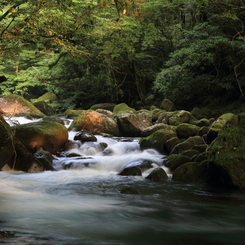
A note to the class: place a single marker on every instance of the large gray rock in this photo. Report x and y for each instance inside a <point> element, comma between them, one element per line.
<point>132,124</point>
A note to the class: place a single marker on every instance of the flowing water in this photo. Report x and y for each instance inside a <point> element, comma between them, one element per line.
<point>83,204</point>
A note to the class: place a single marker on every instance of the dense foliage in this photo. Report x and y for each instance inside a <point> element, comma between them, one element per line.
<point>137,52</point>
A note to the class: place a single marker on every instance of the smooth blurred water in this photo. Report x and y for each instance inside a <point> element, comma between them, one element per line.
<point>83,205</point>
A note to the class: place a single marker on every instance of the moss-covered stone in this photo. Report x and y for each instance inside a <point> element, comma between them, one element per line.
<point>167,105</point>
<point>48,97</point>
<point>95,123</point>
<point>186,130</point>
<point>15,105</point>
<point>188,144</point>
<point>156,140</point>
<point>155,114</point>
<point>122,108</point>
<point>190,172</point>
<point>153,128</point>
<point>71,114</point>
<point>171,143</point>
<point>104,106</point>
<point>227,152</point>
<point>217,125</point>
<point>175,160</point>
<point>158,174</point>
<point>44,107</point>
<point>50,136</point>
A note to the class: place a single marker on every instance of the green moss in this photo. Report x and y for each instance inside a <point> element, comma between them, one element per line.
<point>122,108</point>
<point>47,97</point>
<point>69,113</point>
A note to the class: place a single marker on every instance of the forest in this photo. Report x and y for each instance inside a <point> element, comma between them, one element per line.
<point>133,51</point>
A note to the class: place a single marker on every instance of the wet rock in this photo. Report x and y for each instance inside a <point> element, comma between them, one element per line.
<point>140,163</point>
<point>85,136</point>
<point>171,143</point>
<point>4,233</point>
<point>158,174</point>
<point>45,158</point>
<point>131,171</point>
<point>128,190</point>
<point>54,119</point>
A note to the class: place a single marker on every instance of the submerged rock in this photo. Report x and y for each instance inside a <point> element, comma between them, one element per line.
<point>128,190</point>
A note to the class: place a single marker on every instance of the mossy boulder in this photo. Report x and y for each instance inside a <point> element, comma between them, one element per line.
<point>15,105</point>
<point>158,174</point>
<point>186,130</point>
<point>122,108</point>
<point>227,152</point>
<point>167,105</point>
<point>217,125</point>
<point>48,97</point>
<point>132,124</point>
<point>171,143</point>
<point>156,140</point>
<point>104,106</point>
<point>189,144</point>
<point>155,113</point>
<point>95,123</point>
<point>44,107</point>
<point>71,114</point>
<point>50,136</point>
<point>174,117</point>
<point>153,128</point>
<point>190,172</point>
<point>175,160</point>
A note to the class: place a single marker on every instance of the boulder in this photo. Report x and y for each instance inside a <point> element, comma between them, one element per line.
<point>44,107</point>
<point>105,112</point>
<point>48,97</point>
<point>186,130</point>
<point>122,108</point>
<point>103,106</point>
<point>153,128</point>
<point>95,123</point>
<point>54,119</point>
<point>216,126</point>
<point>132,124</point>
<point>171,143</point>
<point>50,136</point>
<point>71,114</point>
<point>190,172</point>
<point>175,160</point>
<point>227,152</point>
<point>167,105</point>
<point>131,171</point>
<point>189,144</point>
<point>156,140</point>
<point>174,117</point>
<point>17,106</point>
<point>158,174</point>
<point>45,158</point>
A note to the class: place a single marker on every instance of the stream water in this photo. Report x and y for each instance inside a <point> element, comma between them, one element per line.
<point>83,205</point>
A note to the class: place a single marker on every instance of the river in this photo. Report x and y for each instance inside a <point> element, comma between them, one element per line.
<point>84,206</point>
